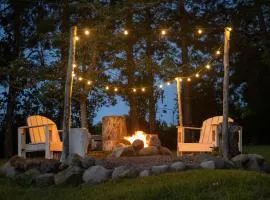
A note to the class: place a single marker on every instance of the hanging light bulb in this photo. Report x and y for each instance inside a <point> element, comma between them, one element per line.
<point>200,31</point>
<point>125,32</point>
<point>180,79</point>
<point>208,66</point>
<point>73,75</point>
<point>134,90</point>
<point>160,86</point>
<point>188,79</point>
<point>197,75</point>
<point>115,89</point>
<point>89,82</point>
<point>229,28</point>
<point>218,52</point>
<point>77,38</point>
<point>74,65</point>
<point>143,89</point>
<point>80,79</point>
<point>107,88</point>
<point>86,32</point>
<point>168,83</point>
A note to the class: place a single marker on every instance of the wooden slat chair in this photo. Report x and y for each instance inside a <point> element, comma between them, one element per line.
<point>208,137</point>
<point>44,136</point>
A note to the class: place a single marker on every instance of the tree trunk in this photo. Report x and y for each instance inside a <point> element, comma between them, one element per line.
<point>83,110</point>
<point>114,129</point>
<point>187,117</point>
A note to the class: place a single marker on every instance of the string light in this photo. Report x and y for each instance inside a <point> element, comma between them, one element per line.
<point>180,79</point>
<point>125,32</point>
<point>197,75</point>
<point>160,86</point>
<point>74,65</point>
<point>200,31</point>
<point>229,28</point>
<point>168,83</point>
<point>73,75</point>
<point>208,66</point>
<point>143,89</point>
<point>86,32</point>
<point>77,38</point>
<point>80,78</point>
<point>89,82</point>
<point>115,89</point>
<point>107,88</point>
<point>218,52</point>
<point>134,90</point>
<point>163,32</point>
<point>188,79</point>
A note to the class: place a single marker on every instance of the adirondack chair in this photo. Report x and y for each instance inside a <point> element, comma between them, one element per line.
<point>44,136</point>
<point>208,137</point>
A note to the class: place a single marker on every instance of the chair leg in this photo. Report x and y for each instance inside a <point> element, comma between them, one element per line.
<point>21,143</point>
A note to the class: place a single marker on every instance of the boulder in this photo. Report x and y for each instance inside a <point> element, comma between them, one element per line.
<point>96,174</point>
<point>253,162</point>
<point>49,166</point>
<point>154,141</point>
<point>148,151</point>
<point>224,164</point>
<point>206,157</point>
<point>137,145</point>
<point>129,151</point>
<point>70,176</point>
<point>117,152</point>
<point>145,173</point>
<point>45,180</point>
<point>8,170</point>
<point>159,169</point>
<point>164,151</point>
<point>208,164</point>
<point>192,166</point>
<point>28,177</point>
<point>87,162</point>
<point>124,172</point>
<point>24,164</point>
<point>240,160</point>
<point>74,160</point>
<point>178,166</point>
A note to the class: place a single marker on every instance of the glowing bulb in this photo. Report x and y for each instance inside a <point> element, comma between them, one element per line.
<point>163,32</point>
<point>73,75</point>
<point>197,75</point>
<point>160,86</point>
<point>134,90</point>
<point>80,78</point>
<point>107,87</point>
<point>89,82</point>
<point>168,83</point>
<point>207,66</point>
<point>218,52</point>
<point>143,89</point>
<point>229,28</point>
<point>125,32</point>
<point>115,89</point>
<point>86,32</point>
<point>180,79</point>
<point>189,79</point>
<point>74,65</point>
<point>77,38</point>
<point>200,31</point>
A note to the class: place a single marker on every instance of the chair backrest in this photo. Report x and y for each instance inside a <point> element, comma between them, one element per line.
<point>208,127</point>
<point>37,135</point>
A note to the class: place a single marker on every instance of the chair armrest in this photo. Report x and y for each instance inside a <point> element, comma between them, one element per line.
<point>25,127</point>
<point>61,131</point>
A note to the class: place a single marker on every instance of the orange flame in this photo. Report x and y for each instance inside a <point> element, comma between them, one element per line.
<point>139,135</point>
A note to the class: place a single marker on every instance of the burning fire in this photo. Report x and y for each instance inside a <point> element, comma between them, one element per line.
<point>139,135</point>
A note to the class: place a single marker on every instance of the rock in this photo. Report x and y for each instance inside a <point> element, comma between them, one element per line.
<point>253,162</point>
<point>178,166</point>
<point>154,141</point>
<point>28,177</point>
<point>74,160</point>
<point>208,164</point>
<point>45,180</point>
<point>192,166</point>
<point>87,162</point>
<point>145,173</point>
<point>24,164</point>
<point>48,166</point>
<point>240,159</point>
<point>159,169</point>
<point>148,151</point>
<point>8,170</point>
<point>164,151</point>
<point>206,157</point>
<point>137,145</point>
<point>124,142</point>
<point>257,157</point>
<point>224,164</point>
<point>70,176</point>
<point>96,174</point>
<point>116,153</point>
<point>253,165</point>
<point>129,151</point>
<point>124,172</point>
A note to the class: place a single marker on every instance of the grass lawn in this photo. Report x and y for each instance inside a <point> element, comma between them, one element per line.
<point>193,184</point>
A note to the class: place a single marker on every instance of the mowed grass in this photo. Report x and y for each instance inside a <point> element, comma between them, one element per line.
<point>193,184</point>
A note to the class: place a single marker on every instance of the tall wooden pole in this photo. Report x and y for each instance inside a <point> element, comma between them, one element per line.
<point>68,93</point>
<point>225,137</point>
<point>180,113</point>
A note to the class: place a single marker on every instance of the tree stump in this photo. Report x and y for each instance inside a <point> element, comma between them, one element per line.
<point>114,129</point>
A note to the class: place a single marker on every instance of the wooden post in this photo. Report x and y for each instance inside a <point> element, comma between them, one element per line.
<point>180,113</point>
<point>225,137</point>
<point>68,93</point>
